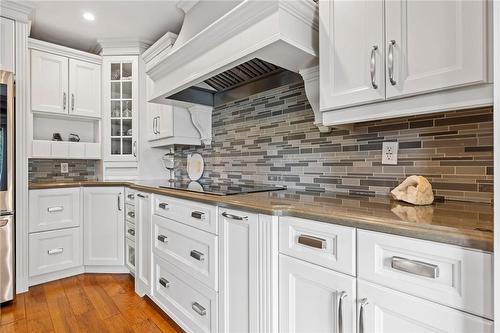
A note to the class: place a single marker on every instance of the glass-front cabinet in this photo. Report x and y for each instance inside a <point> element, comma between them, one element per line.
<point>120,108</point>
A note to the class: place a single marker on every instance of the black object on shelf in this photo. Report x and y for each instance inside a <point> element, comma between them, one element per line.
<point>74,137</point>
<point>56,137</point>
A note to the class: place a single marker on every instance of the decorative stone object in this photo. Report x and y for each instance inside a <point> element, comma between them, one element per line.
<point>421,214</point>
<point>415,189</point>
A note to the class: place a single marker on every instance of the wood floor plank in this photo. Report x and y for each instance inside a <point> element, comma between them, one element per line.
<point>101,301</point>
<point>13,311</point>
<point>77,298</point>
<point>88,303</point>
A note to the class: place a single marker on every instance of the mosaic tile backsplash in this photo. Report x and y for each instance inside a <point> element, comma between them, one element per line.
<point>41,170</point>
<point>270,138</point>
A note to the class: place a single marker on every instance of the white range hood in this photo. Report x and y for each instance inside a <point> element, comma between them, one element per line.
<point>219,35</point>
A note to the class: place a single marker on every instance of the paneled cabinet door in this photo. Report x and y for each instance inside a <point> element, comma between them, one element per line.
<point>7,50</point>
<point>103,226</point>
<point>143,244</point>
<point>352,49</point>
<point>385,310</point>
<point>153,114</point>
<point>49,82</point>
<point>315,299</point>
<point>239,271</point>
<point>84,88</point>
<point>433,45</point>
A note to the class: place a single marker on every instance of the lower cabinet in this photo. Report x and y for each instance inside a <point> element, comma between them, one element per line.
<point>143,243</point>
<point>385,310</point>
<point>104,226</point>
<point>238,277</point>
<point>315,299</point>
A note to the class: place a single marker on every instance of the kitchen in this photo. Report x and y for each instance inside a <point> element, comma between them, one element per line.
<point>248,166</point>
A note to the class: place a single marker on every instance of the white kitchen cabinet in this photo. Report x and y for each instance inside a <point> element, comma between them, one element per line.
<point>143,250</point>
<point>104,226</point>
<point>54,209</point>
<point>435,45</point>
<point>49,82</point>
<point>120,113</point>
<point>385,310</point>
<point>382,51</point>
<point>239,271</point>
<point>7,50</point>
<point>352,49</point>
<point>84,88</point>
<point>64,85</point>
<point>315,299</point>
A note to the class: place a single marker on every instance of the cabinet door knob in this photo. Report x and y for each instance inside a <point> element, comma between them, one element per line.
<point>162,238</point>
<point>197,255</point>
<point>164,282</point>
<point>55,251</point>
<point>163,205</point>
<point>198,215</point>
<point>198,308</point>
<point>55,209</point>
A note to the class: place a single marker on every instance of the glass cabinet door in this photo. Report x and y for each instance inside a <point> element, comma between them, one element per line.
<point>121,108</point>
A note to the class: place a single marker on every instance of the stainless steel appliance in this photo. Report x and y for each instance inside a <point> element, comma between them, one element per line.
<point>7,263</point>
<point>220,188</point>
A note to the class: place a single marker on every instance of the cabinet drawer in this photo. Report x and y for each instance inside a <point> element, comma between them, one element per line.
<point>52,251</point>
<point>188,302</point>
<point>54,209</point>
<point>129,196</point>
<point>192,250</point>
<point>195,214</point>
<point>446,274</point>
<point>325,244</point>
<point>130,213</point>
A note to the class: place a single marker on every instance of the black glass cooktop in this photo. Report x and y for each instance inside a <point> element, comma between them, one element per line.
<point>220,188</point>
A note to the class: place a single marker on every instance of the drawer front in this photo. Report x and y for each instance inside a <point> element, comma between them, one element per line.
<point>52,251</point>
<point>129,196</point>
<point>187,301</point>
<point>192,250</point>
<point>130,254</point>
<point>54,209</point>
<point>324,244</point>
<point>446,274</point>
<point>130,213</point>
<point>130,231</point>
<point>195,214</point>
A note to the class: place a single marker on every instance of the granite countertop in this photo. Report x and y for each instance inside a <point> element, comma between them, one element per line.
<point>453,222</point>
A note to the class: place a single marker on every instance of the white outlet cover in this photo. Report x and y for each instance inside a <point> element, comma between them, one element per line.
<point>390,153</point>
<point>64,168</point>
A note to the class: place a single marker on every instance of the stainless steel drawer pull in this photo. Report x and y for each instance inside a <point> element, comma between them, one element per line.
<point>130,196</point>
<point>198,309</point>
<point>163,205</point>
<point>55,251</point>
<point>131,232</point>
<point>197,255</point>
<point>373,66</point>
<point>390,61</point>
<point>131,214</point>
<point>141,195</point>
<point>312,241</point>
<point>164,282</point>
<point>363,303</point>
<point>162,238</point>
<point>234,217</point>
<point>342,295</point>
<point>415,267</point>
<point>55,209</point>
<point>198,215</point>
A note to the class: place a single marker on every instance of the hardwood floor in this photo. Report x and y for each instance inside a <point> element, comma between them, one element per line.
<point>84,303</point>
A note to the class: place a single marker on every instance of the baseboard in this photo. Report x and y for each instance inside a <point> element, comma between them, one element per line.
<point>33,281</point>
<point>107,269</point>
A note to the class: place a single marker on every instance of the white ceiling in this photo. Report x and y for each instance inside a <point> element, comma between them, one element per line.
<point>61,22</point>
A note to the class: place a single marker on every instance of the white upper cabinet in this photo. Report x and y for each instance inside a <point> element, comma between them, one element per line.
<point>64,85</point>
<point>49,82</point>
<point>352,53</point>
<point>434,45</point>
<point>7,52</point>
<point>84,88</point>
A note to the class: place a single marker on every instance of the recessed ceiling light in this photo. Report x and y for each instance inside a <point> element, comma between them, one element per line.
<point>88,16</point>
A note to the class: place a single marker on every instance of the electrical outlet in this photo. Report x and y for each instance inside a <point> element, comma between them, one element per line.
<point>390,153</point>
<point>64,168</point>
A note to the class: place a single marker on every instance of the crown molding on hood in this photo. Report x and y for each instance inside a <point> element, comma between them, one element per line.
<point>121,46</point>
<point>18,11</point>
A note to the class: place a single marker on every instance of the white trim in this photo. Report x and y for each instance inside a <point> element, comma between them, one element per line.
<point>64,51</point>
<point>496,149</point>
<point>107,269</point>
<point>447,100</point>
<point>201,117</point>
<point>121,46</point>
<point>162,44</point>
<point>23,115</point>
<point>18,11</point>
<point>33,281</point>
<point>186,5</point>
